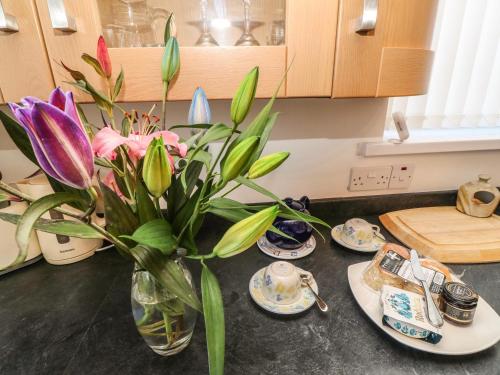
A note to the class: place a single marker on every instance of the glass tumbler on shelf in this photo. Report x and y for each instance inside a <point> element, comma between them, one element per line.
<point>114,35</point>
<point>160,17</point>
<point>206,39</point>
<point>247,38</point>
<point>135,18</point>
<point>277,29</point>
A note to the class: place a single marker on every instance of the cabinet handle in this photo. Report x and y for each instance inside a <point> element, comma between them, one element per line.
<point>368,20</point>
<point>8,23</point>
<point>59,17</point>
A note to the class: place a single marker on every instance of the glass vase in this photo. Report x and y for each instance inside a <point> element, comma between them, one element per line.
<point>164,321</point>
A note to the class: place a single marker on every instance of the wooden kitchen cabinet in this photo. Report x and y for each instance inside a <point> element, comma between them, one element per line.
<point>309,41</point>
<point>391,59</point>
<point>24,65</point>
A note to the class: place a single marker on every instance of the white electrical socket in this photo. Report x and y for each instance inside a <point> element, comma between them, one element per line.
<point>370,178</point>
<point>401,176</point>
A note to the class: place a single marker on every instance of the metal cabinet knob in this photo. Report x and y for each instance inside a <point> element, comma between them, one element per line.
<point>59,17</point>
<point>8,22</point>
<point>368,20</point>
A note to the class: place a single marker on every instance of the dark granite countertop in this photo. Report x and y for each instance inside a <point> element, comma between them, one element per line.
<point>76,319</point>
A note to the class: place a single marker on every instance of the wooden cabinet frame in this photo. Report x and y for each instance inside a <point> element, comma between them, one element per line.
<point>24,65</point>
<point>310,44</point>
<point>392,60</point>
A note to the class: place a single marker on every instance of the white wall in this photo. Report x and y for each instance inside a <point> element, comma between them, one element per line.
<point>322,136</point>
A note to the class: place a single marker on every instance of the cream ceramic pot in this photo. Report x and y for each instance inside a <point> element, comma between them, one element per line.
<point>478,198</point>
<point>57,249</point>
<point>8,234</point>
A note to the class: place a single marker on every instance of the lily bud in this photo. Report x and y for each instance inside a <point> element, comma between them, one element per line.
<point>199,112</point>
<point>103,57</point>
<point>171,60</point>
<point>238,158</point>
<point>242,101</point>
<point>58,138</point>
<point>267,164</point>
<point>245,233</point>
<point>156,170</point>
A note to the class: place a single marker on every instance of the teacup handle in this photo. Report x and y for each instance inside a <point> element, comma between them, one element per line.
<point>376,230</point>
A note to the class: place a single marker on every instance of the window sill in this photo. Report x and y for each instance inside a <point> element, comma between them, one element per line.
<point>430,141</point>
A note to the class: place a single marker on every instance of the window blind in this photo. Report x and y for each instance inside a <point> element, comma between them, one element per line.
<point>464,90</point>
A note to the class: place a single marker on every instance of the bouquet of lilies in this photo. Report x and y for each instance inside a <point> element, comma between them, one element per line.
<point>155,198</point>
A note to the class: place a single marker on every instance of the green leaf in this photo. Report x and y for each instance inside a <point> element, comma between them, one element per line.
<point>204,157</point>
<point>31,216</point>
<point>226,203</point>
<point>237,214</point>
<point>264,137</point>
<point>214,133</point>
<point>118,85</point>
<point>167,272</point>
<point>145,206</point>
<point>100,99</point>
<point>63,227</point>
<point>213,311</point>
<point>156,234</point>
<point>195,126</point>
<point>177,196</point>
<point>119,218</point>
<point>94,64</point>
<point>75,74</point>
<point>18,136</point>
<point>168,28</point>
<point>233,215</point>
<point>293,213</point>
<point>185,213</point>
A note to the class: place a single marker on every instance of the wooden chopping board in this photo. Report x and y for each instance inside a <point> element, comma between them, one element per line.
<point>446,234</point>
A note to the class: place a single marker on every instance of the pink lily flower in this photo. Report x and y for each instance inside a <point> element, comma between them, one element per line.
<point>110,181</point>
<point>107,140</point>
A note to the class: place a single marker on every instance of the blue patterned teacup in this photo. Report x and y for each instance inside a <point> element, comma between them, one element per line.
<point>282,284</point>
<point>359,233</point>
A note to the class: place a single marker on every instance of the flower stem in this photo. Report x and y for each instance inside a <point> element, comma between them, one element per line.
<point>164,106</point>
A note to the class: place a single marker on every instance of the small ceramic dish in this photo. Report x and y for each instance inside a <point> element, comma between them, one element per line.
<point>276,252</point>
<point>376,244</point>
<point>303,303</point>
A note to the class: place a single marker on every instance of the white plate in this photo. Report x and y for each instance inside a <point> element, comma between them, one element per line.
<point>480,335</point>
<point>302,304</point>
<point>277,252</point>
<point>371,248</point>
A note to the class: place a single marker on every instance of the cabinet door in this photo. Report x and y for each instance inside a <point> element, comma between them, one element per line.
<point>301,31</point>
<point>24,66</point>
<point>393,58</point>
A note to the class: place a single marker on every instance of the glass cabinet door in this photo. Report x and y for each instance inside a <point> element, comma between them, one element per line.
<point>202,23</point>
<point>220,40</point>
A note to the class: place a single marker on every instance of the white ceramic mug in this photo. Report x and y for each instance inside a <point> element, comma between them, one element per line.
<point>57,249</point>
<point>282,283</point>
<point>359,232</point>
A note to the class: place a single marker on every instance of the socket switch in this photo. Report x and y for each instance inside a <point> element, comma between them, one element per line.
<point>370,178</point>
<point>401,176</point>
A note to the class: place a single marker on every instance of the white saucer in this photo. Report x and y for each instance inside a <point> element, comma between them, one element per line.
<point>375,246</point>
<point>302,304</point>
<point>277,252</point>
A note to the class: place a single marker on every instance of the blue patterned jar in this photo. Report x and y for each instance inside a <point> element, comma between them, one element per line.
<point>296,229</point>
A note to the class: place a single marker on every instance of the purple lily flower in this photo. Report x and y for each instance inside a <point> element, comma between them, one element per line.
<point>58,137</point>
